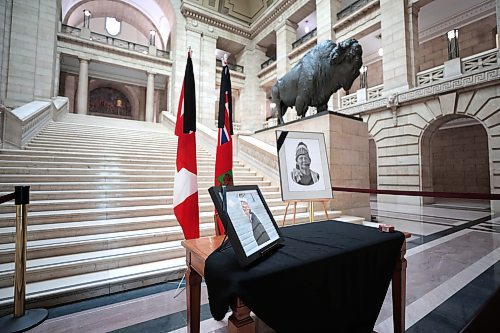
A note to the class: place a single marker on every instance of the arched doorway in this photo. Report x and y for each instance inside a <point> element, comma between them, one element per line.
<point>109,102</point>
<point>455,158</point>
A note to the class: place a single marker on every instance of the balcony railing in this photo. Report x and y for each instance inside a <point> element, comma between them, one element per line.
<point>304,38</point>
<point>375,92</point>
<point>479,61</point>
<point>352,8</point>
<point>67,29</point>
<point>267,63</point>
<point>113,41</point>
<point>431,75</point>
<point>352,99</point>
<point>470,64</point>
<point>233,67</point>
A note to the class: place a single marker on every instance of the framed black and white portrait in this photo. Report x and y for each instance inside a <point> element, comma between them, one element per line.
<point>249,224</point>
<point>303,165</point>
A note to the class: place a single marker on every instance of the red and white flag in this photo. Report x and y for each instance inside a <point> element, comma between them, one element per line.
<point>186,207</point>
<point>224,153</point>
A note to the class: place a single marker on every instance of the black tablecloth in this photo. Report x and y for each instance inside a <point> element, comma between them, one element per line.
<point>328,277</point>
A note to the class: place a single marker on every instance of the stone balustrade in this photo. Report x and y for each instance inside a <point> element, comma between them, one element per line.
<point>23,123</point>
<point>113,41</point>
<point>469,64</point>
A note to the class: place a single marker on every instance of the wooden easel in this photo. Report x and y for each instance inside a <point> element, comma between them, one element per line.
<point>311,208</point>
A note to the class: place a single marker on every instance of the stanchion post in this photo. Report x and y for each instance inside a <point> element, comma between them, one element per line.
<point>22,319</point>
<point>22,199</point>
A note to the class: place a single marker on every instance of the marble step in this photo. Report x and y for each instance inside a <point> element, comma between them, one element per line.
<point>104,150</point>
<point>268,192</point>
<point>117,136</point>
<point>119,146</point>
<point>103,157</point>
<point>75,215</point>
<point>160,167</point>
<point>26,156</point>
<point>69,289</point>
<point>88,262</point>
<point>108,185</point>
<point>95,139</point>
<point>61,126</point>
<point>62,171</point>
<point>70,128</point>
<point>96,203</point>
<point>45,248</point>
<point>105,176</point>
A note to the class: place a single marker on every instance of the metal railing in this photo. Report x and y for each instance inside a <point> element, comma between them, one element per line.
<point>352,8</point>
<point>304,38</point>
<point>113,41</point>
<point>267,63</point>
<point>233,67</point>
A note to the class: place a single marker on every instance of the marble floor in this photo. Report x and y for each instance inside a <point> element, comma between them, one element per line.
<point>453,267</point>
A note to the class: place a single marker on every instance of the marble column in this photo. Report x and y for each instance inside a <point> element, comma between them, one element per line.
<point>399,28</point>
<point>57,74</point>
<point>286,34</point>
<point>150,91</point>
<point>498,22</point>
<point>207,82</point>
<point>326,17</point>
<point>251,108</point>
<point>30,47</point>
<point>69,91</point>
<point>83,87</point>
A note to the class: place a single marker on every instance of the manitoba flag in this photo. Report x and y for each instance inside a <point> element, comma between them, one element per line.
<point>186,208</point>
<point>224,155</point>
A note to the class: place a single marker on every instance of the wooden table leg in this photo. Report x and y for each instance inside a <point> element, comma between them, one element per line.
<point>193,289</point>
<point>240,321</point>
<point>399,292</point>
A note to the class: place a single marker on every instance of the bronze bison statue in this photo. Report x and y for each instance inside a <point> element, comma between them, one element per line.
<point>323,70</point>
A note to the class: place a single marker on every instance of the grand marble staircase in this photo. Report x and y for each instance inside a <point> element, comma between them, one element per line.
<point>100,217</point>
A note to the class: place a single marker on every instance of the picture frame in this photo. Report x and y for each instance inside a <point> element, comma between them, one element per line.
<point>303,166</point>
<point>248,221</point>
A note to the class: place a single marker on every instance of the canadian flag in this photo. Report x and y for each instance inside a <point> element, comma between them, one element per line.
<point>186,207</point>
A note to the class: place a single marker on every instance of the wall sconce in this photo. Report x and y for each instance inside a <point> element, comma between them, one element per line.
<point>453,51</point>
<point>152,35</point>
<point>363,74</point>
<point>381,52</point>
<point>86,18</point>
<point>306,28</point>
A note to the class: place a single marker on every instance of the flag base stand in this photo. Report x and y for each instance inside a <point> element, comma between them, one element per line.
<point>30,319</point>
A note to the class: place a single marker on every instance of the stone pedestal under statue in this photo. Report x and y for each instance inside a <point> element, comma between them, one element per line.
<point>347,147</point>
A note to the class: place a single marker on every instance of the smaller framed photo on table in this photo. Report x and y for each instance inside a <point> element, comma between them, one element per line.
<point>249,224</point>
<point>303,166</point>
